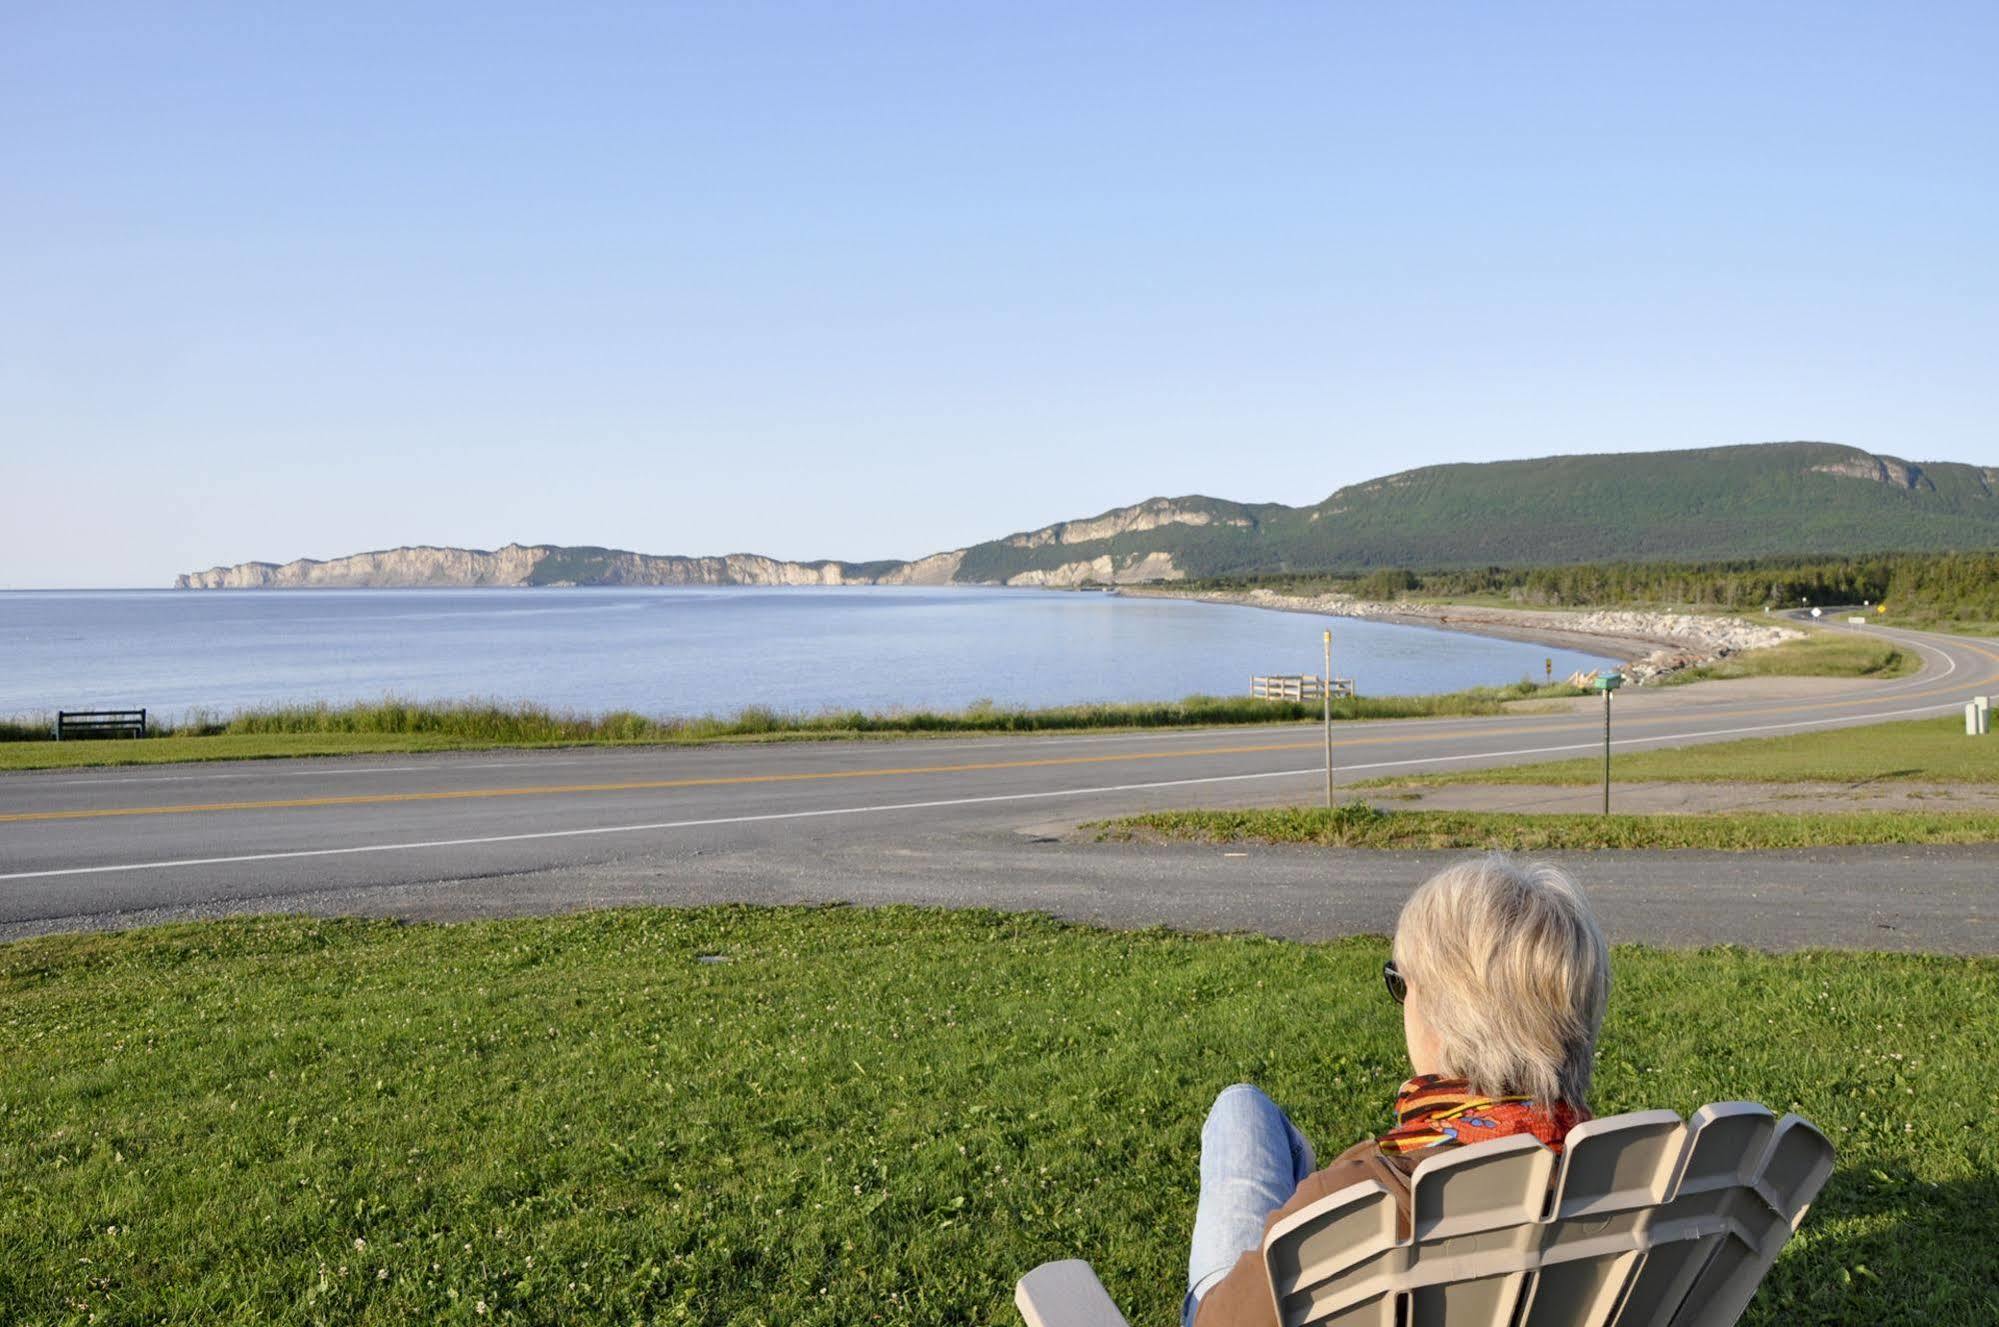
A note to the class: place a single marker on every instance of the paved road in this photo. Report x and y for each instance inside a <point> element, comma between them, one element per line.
<point>941,821</point>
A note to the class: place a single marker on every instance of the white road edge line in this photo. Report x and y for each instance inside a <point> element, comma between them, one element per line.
<point>659,825</point>
<point>904,806</point>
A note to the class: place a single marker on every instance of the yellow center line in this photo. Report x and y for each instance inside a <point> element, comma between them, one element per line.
<point>809,776</point>
<point>640,785</point>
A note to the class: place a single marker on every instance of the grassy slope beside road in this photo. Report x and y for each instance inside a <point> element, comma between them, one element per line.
<point>1819,654</point>
<point>1919,750</point>
<point>1358,825</point>
<point>393,726</point>
<point>859,1117</point>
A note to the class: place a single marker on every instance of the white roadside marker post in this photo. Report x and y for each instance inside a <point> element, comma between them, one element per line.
<point>1971,718</point>
<point>1984,704</point>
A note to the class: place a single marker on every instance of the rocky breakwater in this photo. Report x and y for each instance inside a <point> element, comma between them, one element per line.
<point>1692,639</point>
<point>1652,644</point>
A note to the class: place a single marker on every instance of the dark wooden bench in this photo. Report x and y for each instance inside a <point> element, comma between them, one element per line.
<point>99,723</point>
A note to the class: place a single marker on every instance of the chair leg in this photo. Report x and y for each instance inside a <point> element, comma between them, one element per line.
<point>1065,1294</point>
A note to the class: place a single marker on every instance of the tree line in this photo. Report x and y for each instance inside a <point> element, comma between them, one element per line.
<point>1924,586</point>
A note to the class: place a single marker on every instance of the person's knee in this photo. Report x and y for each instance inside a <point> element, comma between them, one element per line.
<point>1236,1104</point>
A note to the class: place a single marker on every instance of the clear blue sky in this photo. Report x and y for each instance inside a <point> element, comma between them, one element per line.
<point>873,280</point>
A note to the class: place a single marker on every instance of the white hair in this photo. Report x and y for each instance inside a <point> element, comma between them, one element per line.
<point>1507,966</point>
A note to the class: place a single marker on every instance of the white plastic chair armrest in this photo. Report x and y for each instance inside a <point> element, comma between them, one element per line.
<point>1065,1294</point>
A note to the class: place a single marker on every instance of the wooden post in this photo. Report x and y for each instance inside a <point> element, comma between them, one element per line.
<point>1606,750</point>
<point>1326,698</point>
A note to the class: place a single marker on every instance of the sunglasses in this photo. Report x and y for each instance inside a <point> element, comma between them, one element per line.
<point>1398,985</point>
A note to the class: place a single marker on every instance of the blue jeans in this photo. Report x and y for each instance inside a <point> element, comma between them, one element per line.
<point>1252,1159</point>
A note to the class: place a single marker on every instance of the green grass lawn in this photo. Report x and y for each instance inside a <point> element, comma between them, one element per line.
<point>860,1116</point>
<point>1358,825</point>
<point>1916,751</point>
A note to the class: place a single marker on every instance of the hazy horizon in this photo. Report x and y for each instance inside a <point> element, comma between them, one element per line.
<point>877,282</point>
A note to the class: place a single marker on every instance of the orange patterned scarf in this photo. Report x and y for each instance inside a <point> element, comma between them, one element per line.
<point>1435,1111</point>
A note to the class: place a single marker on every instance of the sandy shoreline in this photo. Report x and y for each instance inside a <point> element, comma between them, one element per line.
<point>1663,642</point>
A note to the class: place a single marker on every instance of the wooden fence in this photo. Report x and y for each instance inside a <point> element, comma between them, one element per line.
<point>1298,688</point>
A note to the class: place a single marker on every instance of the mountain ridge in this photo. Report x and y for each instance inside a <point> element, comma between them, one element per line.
<point>1744,501</point>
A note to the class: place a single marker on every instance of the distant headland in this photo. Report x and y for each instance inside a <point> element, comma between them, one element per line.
<point>1757,500</point>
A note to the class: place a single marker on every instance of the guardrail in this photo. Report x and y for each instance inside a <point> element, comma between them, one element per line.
<point>1300,687</point>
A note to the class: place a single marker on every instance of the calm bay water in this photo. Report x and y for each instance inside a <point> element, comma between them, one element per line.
<point>694,651</point>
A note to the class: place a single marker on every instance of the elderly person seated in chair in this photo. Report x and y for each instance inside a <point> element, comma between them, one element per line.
<point>1502,975</point>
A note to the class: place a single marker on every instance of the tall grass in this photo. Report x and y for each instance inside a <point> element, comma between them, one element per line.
<point>25,729</point>
<point>494,722</point>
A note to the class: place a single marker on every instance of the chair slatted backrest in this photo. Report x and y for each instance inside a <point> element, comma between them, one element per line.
<point>1644,1221</point>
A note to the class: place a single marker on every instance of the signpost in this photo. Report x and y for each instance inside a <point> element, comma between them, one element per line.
<point>1326,693</point>
<point>1607,683</point>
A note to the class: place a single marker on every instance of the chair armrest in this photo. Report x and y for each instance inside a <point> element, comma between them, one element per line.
<point>1065,1294</point>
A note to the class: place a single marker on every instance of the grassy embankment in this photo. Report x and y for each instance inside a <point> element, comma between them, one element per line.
<point>858,1117</point>
<point>1358,825</point>
<point>1819,654</point>
<point>392,726</point>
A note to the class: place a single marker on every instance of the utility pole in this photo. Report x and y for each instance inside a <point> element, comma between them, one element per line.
<point>1326,699</point>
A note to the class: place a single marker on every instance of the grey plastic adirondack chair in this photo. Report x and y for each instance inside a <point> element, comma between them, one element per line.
<point>1653,1222</point>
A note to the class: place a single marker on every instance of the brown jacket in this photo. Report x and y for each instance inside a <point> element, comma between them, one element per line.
<point>1242,1298</point>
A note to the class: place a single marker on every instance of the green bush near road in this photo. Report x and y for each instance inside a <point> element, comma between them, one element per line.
<point>859,1116</point>
<point>1358,825</point>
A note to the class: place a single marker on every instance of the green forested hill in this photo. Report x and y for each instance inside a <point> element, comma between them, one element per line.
<point>1795,500</point>
<point>1790,499</point>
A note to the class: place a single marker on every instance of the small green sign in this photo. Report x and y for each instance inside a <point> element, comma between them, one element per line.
<point>1609,681</point>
